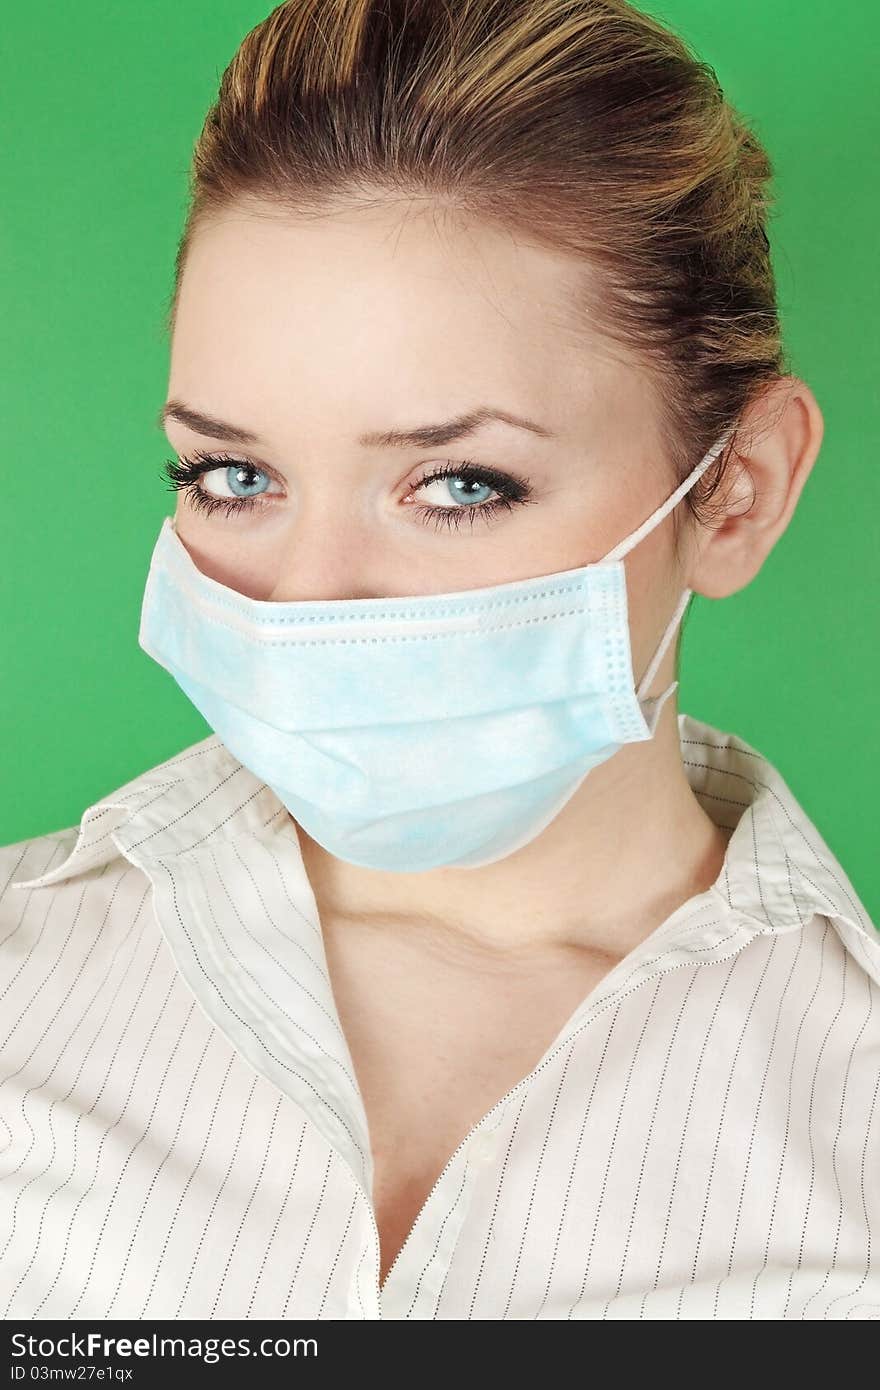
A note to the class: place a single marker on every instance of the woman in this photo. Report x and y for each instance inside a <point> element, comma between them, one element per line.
<point>455,975</point>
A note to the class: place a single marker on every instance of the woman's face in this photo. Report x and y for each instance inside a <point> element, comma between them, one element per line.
<point>320,337</point>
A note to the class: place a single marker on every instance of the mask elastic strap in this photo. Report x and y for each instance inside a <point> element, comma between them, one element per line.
<point>626,545</point>
<point>654,663</point>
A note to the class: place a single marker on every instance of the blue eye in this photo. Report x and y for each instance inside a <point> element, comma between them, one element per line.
<point>184,476</point>
<point>465,481</point>
<point>465,490</point>
<point>236,476</point>
<point>511,492</point>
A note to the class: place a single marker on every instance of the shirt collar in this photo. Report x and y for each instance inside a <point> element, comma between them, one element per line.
<point>777,871</point>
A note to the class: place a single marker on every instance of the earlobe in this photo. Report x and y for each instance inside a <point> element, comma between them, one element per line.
<point>717,569</point>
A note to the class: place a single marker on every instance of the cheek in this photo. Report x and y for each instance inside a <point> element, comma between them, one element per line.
<point>218,556</point>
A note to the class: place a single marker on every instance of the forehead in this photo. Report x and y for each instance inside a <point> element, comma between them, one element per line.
<point>389,300</point>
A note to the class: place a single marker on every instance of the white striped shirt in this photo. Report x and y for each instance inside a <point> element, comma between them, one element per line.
<point>183,1135</point>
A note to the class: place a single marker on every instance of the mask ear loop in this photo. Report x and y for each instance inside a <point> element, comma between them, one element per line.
<point>628,543</point>
<point>658,656</point>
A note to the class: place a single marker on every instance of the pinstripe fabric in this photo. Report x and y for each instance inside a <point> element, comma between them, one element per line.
<point>183,1135</point>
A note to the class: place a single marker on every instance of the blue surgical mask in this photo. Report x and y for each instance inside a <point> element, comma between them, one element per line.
<point>412,733</point>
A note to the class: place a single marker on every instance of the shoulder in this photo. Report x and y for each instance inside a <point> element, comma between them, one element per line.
<point>199,797</point>
<point>51,858</point>
<point>71,898</point>
<point>27,858</point>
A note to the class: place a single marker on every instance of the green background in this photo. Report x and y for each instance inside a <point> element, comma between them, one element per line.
<point>101,104</point>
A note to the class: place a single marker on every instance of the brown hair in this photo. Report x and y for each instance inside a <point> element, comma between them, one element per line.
<point>585,123</point>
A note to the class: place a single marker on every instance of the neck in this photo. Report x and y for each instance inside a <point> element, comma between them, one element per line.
<point>630,847</point>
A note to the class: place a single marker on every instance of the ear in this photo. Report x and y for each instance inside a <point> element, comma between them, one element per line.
<point>777,443</point>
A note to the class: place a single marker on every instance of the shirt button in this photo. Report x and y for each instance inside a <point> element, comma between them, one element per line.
<point>483,1148</point>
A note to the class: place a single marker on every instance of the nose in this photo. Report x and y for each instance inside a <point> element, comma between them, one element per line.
<point>329,560</point>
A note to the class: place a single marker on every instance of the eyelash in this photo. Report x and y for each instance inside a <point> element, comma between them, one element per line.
<point>513,492</point>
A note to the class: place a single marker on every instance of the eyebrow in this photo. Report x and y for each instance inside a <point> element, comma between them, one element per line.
<point>420,437</point>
